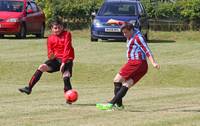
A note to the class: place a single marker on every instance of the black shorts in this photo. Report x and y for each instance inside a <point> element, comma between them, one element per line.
<point>55,64</point>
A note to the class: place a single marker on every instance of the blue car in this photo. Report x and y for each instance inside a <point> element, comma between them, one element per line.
<point>131,11</point>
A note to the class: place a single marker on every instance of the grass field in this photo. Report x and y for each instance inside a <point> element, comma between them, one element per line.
<point>168,97</point>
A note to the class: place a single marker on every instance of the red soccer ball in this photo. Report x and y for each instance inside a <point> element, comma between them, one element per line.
<point>71,95</point>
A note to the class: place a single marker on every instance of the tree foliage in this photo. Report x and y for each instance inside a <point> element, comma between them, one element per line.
<point>182,9</point>
<point>71,11</point>
<point>79,11</point>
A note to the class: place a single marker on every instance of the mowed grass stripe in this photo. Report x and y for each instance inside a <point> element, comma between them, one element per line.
<point>50,107</point>
<point>168,97</point>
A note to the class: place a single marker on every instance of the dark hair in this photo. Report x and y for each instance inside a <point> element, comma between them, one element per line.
<point>56,22</point>
<point>127,26</point>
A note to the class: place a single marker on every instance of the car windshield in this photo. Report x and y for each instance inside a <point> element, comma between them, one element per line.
<point>11,6</point>
<point>118,9</point>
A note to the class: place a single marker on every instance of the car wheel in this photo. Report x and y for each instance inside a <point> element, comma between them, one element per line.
<point>41,34</point>
<point>1,36</point>
<point>22,33</point>
<point>93,39</point>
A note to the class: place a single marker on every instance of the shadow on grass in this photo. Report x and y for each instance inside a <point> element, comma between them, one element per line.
<point>149,41</point>
<point>190,110</point>
<point>88,104</point>
<point>27,38</point>
<point>161,41</point>
<point>112,41</point>
<point>170,109</point>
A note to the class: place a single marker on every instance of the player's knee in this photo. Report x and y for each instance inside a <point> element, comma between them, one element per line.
<point>43,67</point>
<point>115,80</point>
<point>118,78</point>
<point>66,74</point>
<point>129,83</point>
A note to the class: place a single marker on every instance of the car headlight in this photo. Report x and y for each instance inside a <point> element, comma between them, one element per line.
<point>13,20</point>
<point>97,23</point>
<point>133,22</point>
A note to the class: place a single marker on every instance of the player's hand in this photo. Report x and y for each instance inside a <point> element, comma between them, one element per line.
<point>52,56</point>
<point>62,67</point>
<point>156,65</point>
<point>113,21</point>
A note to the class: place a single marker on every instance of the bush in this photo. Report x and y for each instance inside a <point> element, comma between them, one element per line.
<point>77,13</point>
<point>185,11</point>
<point>74,13</point>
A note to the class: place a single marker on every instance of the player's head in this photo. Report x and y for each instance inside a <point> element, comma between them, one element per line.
<point>57,27</point>
<point>127,30</point>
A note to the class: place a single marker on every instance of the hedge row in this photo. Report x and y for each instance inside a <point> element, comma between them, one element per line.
<point>182,15</point>
<point>77,13</point>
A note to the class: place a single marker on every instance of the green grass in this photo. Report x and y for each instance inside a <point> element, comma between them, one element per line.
<point>168,97</point>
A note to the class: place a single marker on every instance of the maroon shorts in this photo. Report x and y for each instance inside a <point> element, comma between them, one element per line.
<point>134,69</point>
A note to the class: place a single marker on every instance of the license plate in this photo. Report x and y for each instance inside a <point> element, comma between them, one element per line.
<point>112,30</point>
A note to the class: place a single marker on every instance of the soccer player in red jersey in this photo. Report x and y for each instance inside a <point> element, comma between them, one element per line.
<point>60,57</point>
<point>135,68</point>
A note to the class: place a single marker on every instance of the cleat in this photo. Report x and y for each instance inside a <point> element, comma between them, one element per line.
<point>105,106</point>
<point>26,90</point>
<point>117,107</point>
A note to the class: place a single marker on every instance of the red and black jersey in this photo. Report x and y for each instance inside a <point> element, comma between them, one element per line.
<point>61,46</point>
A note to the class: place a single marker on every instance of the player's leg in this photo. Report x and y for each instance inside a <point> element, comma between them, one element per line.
<point>138,72</point>
<point>67,82</point>
<point>119,93</point>
<point>35,78</point>
<point>67,74</point>
<point>117,86</point>
<point>134,74</point>
<point>48,66</point>
<point>124,74</point>
<point>122,92</point>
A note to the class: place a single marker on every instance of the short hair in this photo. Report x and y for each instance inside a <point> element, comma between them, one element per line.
<point>127,26</point>
<point>56,22</point>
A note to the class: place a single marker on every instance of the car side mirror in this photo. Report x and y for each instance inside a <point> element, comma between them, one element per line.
<point>93,15</point>
<point>29,11</point>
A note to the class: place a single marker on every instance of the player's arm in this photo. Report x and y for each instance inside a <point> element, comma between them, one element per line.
<point>153,62</point>
<point>50,53</point>
<point>113,21</point>
<point>68,50</point>
<point>143,45</point>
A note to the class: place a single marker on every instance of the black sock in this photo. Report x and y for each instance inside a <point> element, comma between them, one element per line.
<point>67,84</point>
<point>120,94</point>
<point>117,88</point>
<point>35,78</point>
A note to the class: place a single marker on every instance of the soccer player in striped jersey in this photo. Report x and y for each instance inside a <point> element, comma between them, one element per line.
<point>135,68</point>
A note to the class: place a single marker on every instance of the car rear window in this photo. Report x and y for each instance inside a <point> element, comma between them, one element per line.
<point>11,6</point>
<point>117,9</point>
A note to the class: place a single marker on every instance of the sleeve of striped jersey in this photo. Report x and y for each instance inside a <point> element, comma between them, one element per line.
<point>143,45</point>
